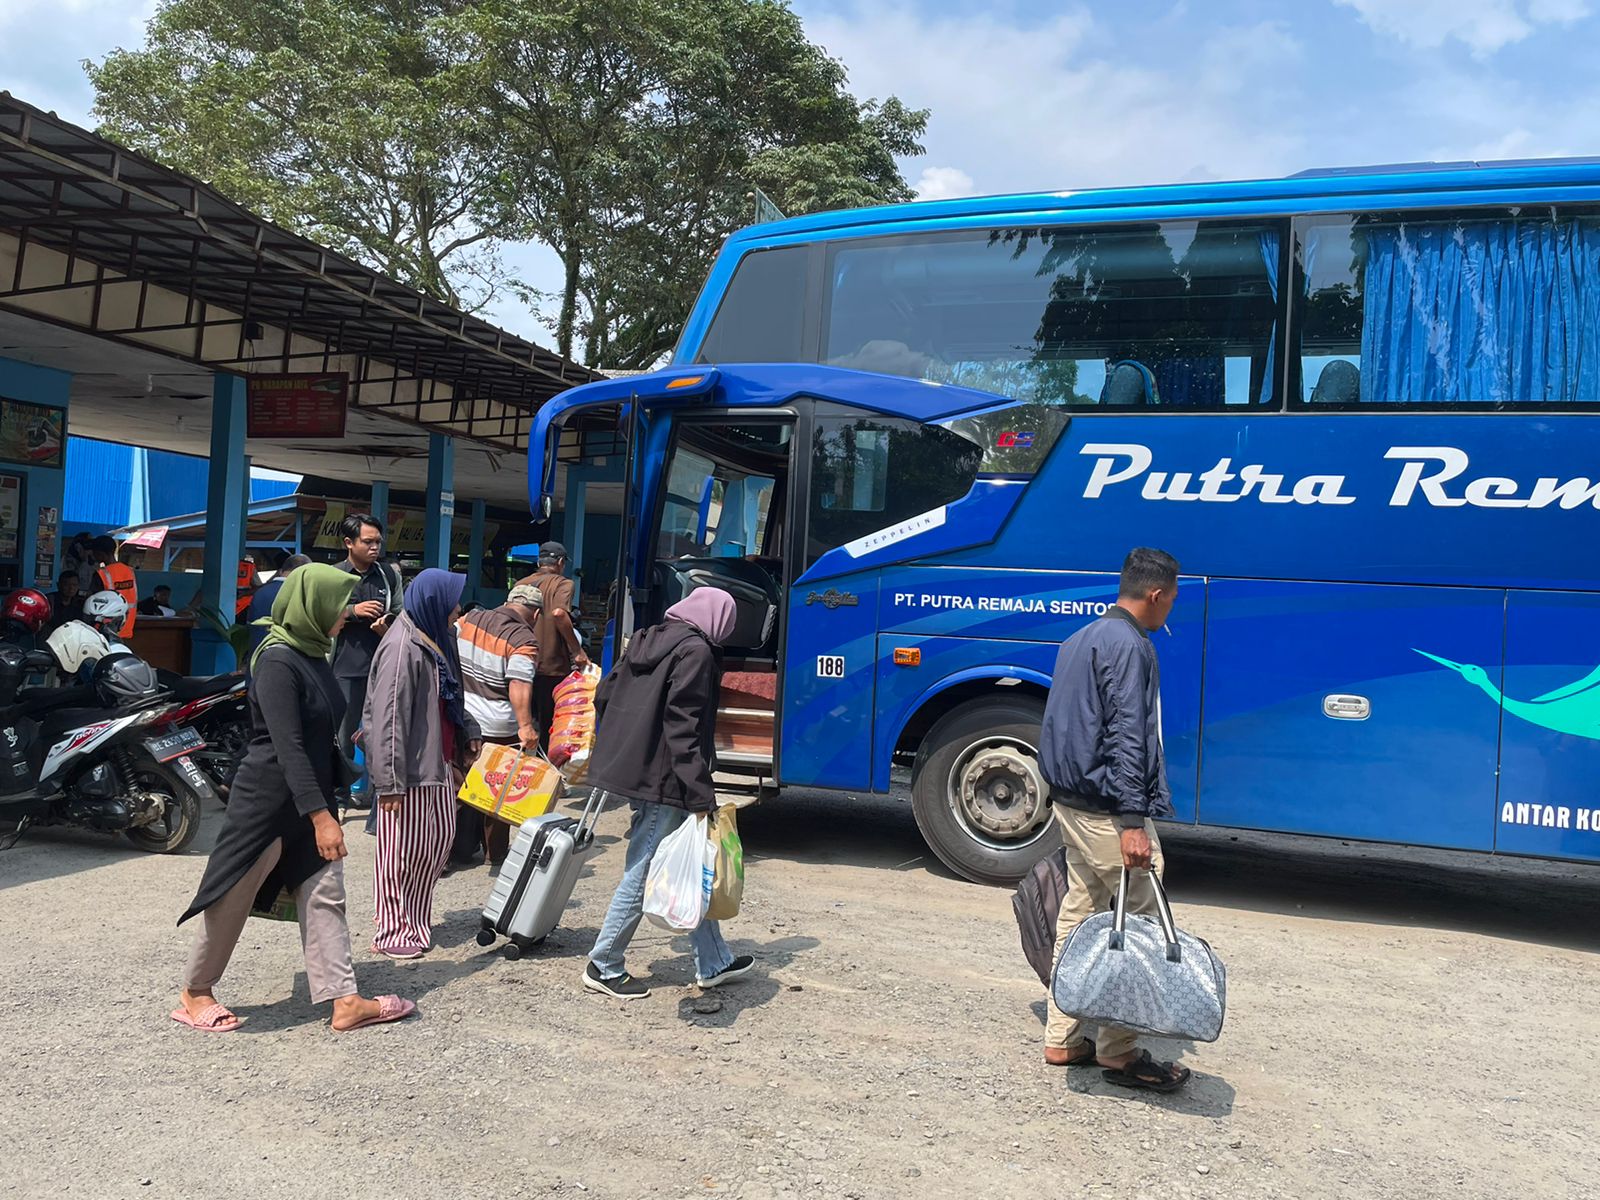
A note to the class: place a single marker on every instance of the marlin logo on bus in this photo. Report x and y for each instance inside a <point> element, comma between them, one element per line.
<point>1429,472</point>
<point>1573,708</point>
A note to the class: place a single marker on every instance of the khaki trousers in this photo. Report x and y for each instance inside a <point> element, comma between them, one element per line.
<point>1094,864</point>
<point>324,931</point>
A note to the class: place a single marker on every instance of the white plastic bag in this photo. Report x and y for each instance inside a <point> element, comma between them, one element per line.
<point>678,888</point>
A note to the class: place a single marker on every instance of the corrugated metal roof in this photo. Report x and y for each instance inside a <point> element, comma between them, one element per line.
<point>108,485</point>
<point>99,483</point>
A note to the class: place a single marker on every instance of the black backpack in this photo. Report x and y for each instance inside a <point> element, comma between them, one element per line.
<point>1037,905</point>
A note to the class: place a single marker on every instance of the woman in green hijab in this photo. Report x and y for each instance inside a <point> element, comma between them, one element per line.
<point>281,834</point>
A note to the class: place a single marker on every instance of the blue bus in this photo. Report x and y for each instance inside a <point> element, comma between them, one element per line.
<point>1360,407</point>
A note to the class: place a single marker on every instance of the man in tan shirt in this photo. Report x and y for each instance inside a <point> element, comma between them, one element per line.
<point>559,648</point>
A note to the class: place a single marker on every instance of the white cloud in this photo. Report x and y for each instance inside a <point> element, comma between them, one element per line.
<point>1483,26</point>
<point>1236,60</point>
<point>1060,103</point>
<point>94,17</point>
<point>944,183</point>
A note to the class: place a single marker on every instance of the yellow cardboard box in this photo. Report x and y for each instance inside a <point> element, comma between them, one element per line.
<point>511,785</point>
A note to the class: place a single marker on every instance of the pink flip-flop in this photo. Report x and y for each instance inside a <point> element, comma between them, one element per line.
<point>390,1008</point>
<point>213,1018</point>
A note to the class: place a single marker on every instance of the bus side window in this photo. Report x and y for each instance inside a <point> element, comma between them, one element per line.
<point>870,473</point>
<point>1175,314</point>
<point>1479,308</point>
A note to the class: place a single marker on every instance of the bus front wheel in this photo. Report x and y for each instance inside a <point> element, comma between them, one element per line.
<point>979,797</point>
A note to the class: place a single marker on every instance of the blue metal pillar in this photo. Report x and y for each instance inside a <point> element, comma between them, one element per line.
<point>475,551</point>
<point>244,538</point>
<point>572,525</point>
<point>441,501</point>
<point>380,502</point>
<point>227,492</point>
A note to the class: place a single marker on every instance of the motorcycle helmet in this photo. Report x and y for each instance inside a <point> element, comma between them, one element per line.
<point>27,608</point>
<point>75,644</point>
<point>124,679</point>
<point>105,610</point>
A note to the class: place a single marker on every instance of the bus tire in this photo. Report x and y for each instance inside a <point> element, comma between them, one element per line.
<point>978,794</point>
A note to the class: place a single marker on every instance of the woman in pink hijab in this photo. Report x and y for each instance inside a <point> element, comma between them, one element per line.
<point>653,744</point>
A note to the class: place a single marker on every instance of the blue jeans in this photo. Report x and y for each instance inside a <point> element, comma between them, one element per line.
<point>650,825</point>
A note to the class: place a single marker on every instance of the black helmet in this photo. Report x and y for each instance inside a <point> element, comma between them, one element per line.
<point>124,679</point>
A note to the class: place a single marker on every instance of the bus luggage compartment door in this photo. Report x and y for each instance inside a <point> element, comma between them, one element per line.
<point>1549,804</point>
<point>1352,710</point>
<point>827,695</point>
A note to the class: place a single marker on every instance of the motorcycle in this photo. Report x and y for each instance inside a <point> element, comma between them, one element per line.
<point>103,756</point>
<point>218,709</point>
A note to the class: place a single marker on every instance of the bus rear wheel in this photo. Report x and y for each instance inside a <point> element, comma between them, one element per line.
<point>979,797</point>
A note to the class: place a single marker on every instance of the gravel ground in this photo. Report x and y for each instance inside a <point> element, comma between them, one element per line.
<point>1402,1023</point>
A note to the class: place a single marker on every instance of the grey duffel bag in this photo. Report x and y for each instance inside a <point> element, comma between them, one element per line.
<point>1126,970</point>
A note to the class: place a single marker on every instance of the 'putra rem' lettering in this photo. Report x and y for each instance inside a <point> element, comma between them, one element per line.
<point>1436,476</point>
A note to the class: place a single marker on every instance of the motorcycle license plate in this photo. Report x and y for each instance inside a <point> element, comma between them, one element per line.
<point>174,745</point>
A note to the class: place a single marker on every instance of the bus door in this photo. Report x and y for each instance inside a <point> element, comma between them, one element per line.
<point>722,520</point>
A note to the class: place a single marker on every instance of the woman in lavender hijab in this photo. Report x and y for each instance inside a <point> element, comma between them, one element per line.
<point>653,744</point>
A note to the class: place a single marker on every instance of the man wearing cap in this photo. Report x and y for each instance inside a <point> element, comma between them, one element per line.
<point>499,658</point>
<point>559,648</point>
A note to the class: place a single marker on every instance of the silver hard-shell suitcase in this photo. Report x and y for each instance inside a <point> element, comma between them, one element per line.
<point>536,880</point>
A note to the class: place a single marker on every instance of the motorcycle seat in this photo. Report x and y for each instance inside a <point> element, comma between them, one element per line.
<point>36,700</point>
<point>196,687</point>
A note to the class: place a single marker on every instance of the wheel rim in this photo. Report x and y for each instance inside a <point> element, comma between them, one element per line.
<point>997,793</point>
<point>170,823</point>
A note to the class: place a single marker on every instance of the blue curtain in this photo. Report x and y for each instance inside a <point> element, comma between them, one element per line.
<point>1482,312</point>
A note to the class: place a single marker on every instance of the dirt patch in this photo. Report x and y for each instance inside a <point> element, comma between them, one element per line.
<point>1401,1024</point>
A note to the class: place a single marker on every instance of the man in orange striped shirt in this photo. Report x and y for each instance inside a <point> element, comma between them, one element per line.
<point>499,659</point>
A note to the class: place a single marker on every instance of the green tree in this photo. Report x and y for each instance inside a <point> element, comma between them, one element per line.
<point>423,135</point>
<point>643,125</point>
<point>351,121</point>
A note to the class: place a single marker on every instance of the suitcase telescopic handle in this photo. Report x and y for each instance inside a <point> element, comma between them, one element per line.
<point>1169,928</point>
<point>590,815</point>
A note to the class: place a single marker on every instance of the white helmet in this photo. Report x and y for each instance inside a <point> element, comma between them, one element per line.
<point>105,608</point>
<point>75,644</point>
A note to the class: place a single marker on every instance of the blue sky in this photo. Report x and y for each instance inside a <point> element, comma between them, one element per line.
<point>1035,95</point>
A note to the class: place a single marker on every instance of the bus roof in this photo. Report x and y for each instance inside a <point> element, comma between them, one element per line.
<point>1399,185</point>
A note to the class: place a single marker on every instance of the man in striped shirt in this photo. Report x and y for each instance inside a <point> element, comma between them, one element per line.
<point>499,659</point>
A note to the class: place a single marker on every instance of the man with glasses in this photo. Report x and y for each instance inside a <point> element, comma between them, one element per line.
<point>374,604</point>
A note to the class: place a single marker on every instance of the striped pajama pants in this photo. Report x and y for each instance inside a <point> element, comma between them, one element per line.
<point>413,846</point>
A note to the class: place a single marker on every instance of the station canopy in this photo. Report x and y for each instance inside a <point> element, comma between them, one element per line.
<point>142,282</point>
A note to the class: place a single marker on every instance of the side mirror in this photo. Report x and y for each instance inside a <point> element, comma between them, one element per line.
<point>546,506</point>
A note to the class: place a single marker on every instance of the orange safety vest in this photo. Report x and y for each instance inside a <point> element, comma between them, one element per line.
<point>243,580</point>
<point>118,577</point>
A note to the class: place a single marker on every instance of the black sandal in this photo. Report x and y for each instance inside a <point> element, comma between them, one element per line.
<point>1144,1072</point>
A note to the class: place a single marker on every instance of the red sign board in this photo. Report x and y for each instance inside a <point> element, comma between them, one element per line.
<point>148,539</point>
<point>297,406</point>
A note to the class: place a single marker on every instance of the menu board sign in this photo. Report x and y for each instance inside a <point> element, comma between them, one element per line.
<point>297,405</point>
